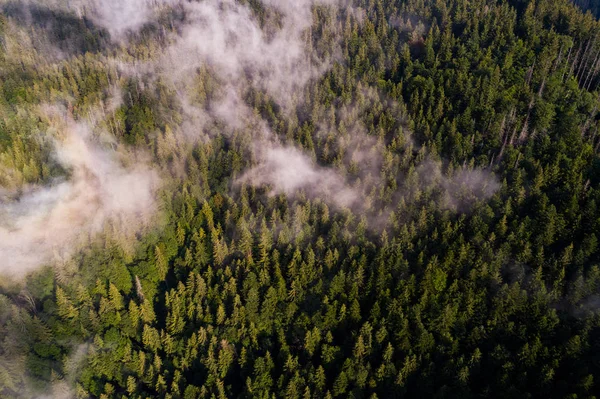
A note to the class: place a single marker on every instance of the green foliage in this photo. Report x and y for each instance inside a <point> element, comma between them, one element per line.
<point>243,294</point>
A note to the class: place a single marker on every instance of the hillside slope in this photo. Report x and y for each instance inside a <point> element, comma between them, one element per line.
<point>300,199</point>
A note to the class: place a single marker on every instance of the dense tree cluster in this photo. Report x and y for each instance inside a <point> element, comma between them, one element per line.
<point>240,293</point>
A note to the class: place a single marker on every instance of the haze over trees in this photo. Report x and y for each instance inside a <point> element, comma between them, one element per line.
<point>299,199</point>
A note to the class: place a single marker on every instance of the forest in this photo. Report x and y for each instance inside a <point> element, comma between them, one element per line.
<point>299,199</point>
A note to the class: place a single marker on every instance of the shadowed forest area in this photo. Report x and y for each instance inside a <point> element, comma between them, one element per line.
<point>589,5</point>
<point>299,199</point>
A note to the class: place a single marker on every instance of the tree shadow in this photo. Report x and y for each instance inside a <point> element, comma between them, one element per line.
<point>70,33</point>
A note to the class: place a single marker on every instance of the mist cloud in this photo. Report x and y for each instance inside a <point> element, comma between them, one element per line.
<point>225,38</point>
<point>49,222</point>
<point>120,17</point>
<point>286,170</point>
<point>461,188</point>
<point>64,388</point>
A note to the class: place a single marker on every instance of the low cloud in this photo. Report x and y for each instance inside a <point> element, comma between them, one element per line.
<point>72,365</point>
<point>48,222</point>
<point>461,188</point>
<point>286,170</point>
<point>120,17</point>
<point>227,37</point>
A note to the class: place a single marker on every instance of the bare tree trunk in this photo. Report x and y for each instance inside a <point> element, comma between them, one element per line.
<point>562,79</point>
<point>585,57</point>
<point>575,61</point>
<point>542,86</point>
<point>592,69</point>
<point>530,74</point>
<point>557,61</point>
